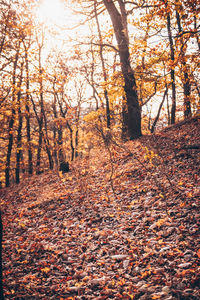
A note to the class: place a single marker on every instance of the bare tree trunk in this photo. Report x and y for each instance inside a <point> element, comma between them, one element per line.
<point>55,154</point>
<point>12,120</point>
<point>9,150</point>
<point>76,142</point>
<point>19,131</point>
<point>168,110</point>
<point>41,118</point>
<point>103,68</point>
<point>27,109</point>
<point>47,143</point>
<point>71,141</point>
<point>173,109</point>
<point>159,110</point>
<point>61,156</point>
<point>186,81</point>
<point>39,148</point>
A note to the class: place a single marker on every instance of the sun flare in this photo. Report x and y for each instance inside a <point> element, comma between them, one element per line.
<point>52,12</point>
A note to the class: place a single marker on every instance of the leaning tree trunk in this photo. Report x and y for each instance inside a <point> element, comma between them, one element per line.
<point>130,88</point>
<point>159,111</point>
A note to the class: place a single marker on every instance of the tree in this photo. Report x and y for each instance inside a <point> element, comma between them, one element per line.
<point>103,66</point>
<point>41,116</point>
<point>27,105</point>
<point>186,80</point>
<point>172,57</point>
<point>12,117</point>
<point>130,88</point>
<point>20,123</point>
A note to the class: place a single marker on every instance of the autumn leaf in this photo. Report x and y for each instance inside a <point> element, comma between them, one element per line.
<point>46,270</point>
<point>156,297</point>
<point>160,222</point>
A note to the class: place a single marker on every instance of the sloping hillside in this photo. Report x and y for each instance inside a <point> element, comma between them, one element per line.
<point>123,224</point>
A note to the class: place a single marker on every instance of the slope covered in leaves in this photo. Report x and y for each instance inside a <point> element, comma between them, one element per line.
<point>123,224</point>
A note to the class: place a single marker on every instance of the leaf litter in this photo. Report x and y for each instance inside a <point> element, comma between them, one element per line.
<point>90,235</point>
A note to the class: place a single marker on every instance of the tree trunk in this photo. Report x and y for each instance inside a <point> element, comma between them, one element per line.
<point>173,109</point>
<point>12,120</point>
<point>55,154</point>
<point>61,156</point>
<point>19,131</point>
<point>27,109</point>
<point>41,118</point>
<point>159,110</point>
<point>187,90</point>
<point>47,143</point>
<point>124,120</point>
<point>9,150</point>
<point>133,109</point>
<point>76,142</point>
<point>71,141</point>
<point>39,147</point>
<point>186,81</point>
<point>1,267</point>
<point>103,68</point>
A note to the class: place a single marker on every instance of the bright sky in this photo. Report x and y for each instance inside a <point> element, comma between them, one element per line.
<point>60,24</point>
<point>56,14</point>
<point>52,12</point>
<point>59,21</point>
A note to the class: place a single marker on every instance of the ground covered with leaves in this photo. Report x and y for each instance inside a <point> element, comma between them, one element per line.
<point>123,224</point>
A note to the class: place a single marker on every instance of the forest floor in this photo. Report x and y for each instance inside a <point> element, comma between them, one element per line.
<point>123,224</point>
